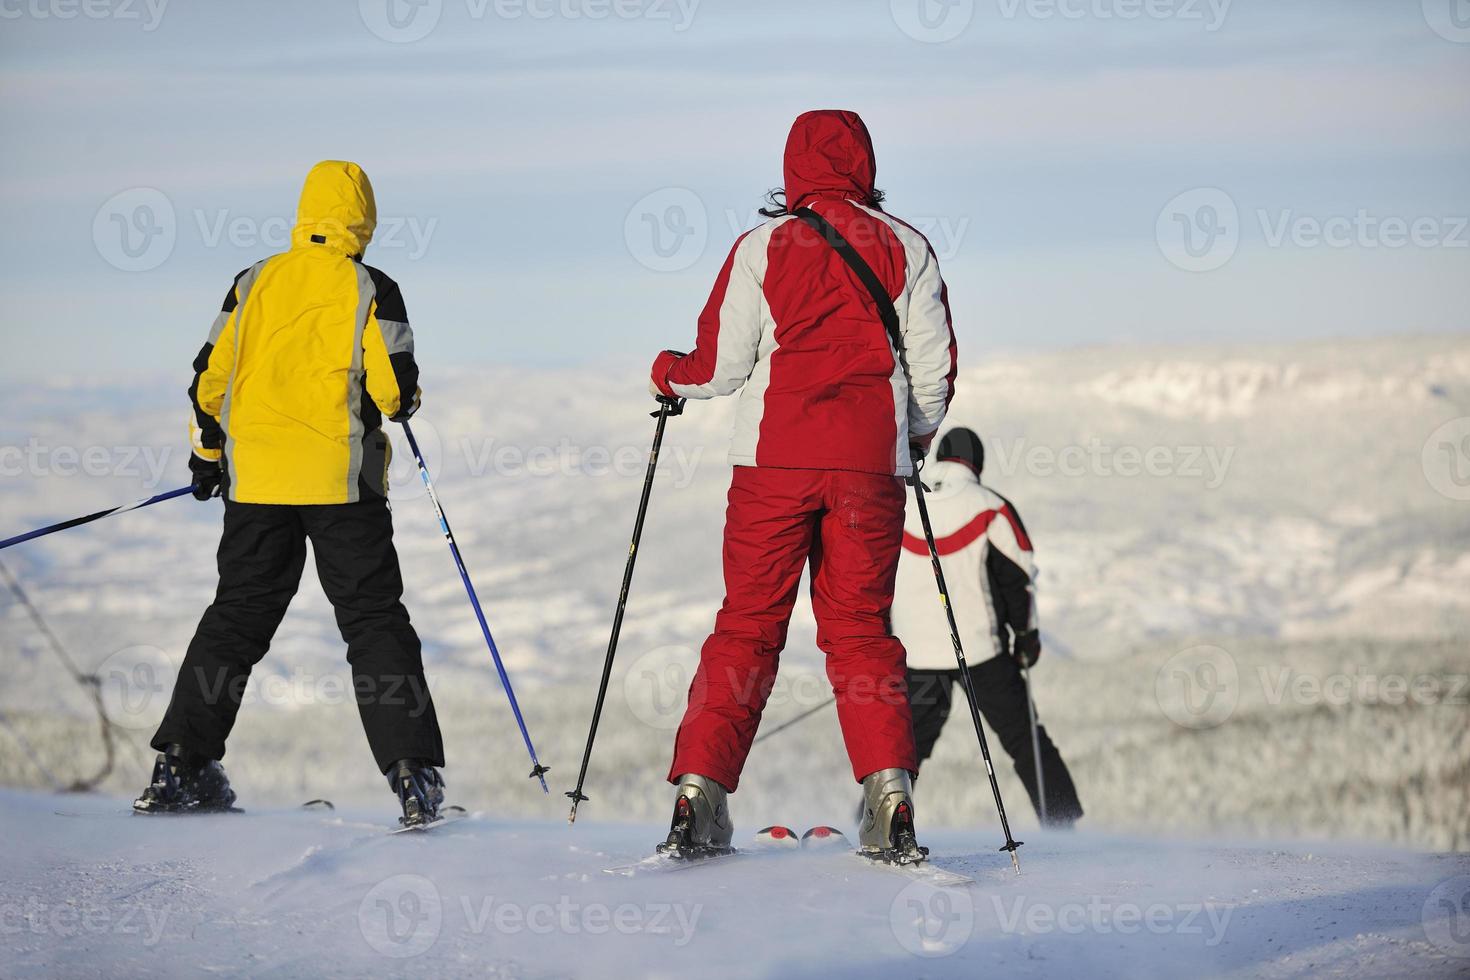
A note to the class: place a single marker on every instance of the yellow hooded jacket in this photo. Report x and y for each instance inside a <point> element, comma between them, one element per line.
<point>310,350</point>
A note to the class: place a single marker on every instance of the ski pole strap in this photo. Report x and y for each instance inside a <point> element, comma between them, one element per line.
<point>886,310</point>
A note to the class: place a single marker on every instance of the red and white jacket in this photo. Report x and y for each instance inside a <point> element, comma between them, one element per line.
<point>792,328</point>
<point>988,565</point>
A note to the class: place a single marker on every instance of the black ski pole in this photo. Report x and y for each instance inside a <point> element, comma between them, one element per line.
<point>668,408</point>
<point>795,721</point>
<point>959,651</point>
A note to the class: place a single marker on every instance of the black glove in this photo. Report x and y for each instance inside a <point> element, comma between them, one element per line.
<point>917,455</point>
<point>1027,648</point>
<point>405,412</point>
<point>207,476</point>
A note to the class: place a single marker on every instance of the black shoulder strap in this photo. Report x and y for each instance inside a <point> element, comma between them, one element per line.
<point>864,272</point>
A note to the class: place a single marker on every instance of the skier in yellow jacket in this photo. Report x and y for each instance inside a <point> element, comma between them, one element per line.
<point>310,352</point>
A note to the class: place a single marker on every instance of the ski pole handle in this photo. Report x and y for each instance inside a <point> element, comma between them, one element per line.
<point>41,532</point>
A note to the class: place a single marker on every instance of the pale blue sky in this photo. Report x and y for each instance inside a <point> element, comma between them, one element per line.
<point>517,144</point>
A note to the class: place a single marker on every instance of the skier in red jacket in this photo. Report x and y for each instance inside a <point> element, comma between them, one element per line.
<point>832,408</point>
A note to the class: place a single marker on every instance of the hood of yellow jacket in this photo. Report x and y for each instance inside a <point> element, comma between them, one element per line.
<point>337,208</point>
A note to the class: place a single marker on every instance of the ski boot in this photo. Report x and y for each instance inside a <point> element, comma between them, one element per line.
<point>886,832</point>
<point>186,783</point>
<point>420,790</point>
<point>701,826</point>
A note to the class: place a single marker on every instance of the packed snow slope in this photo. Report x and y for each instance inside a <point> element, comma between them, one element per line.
<point>90,890</point>
<point>1254,592</point>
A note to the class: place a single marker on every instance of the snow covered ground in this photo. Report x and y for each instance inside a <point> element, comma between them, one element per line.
<point>1255,593</point>
<point>90,890</point>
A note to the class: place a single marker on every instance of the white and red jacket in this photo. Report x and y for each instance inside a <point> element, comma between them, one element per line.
<point>988,566</point>
<point>790,324</point>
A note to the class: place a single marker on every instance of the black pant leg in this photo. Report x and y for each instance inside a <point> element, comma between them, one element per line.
<point>262,551</point>
<point>930,692</point>
<point>359,571</point>
<point>1001,691</point>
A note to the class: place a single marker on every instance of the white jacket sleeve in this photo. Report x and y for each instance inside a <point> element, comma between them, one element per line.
<point>929,344</point>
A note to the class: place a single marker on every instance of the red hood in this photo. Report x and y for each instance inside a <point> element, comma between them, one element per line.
<point>829,154</point>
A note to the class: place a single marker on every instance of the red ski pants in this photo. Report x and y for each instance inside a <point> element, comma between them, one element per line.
<point>849,526</point>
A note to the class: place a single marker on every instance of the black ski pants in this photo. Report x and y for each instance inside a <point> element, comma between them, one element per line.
<point>1001,693</point>
<point>262,552</point>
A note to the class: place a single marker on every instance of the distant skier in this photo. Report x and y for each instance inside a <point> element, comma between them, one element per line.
<point>310,352</point>
<point>988,567</point>
<point>823,434</point>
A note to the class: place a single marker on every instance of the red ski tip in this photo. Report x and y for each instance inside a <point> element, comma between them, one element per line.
<point>777,834</point>
<point>823,836</point>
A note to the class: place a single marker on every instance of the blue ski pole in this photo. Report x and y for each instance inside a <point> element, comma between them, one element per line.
<point>89,518</point>
<point>538,771</point>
